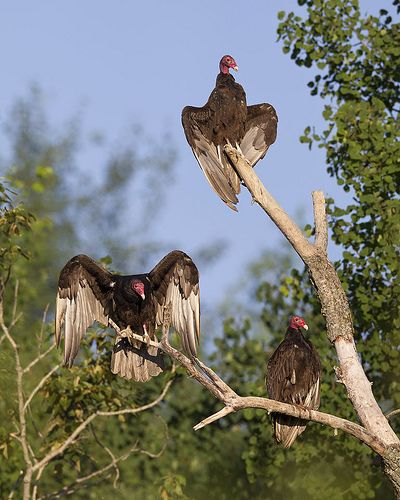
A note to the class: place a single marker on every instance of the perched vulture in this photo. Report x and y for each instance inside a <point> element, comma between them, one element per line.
<point>88,293</point>
<point>226,119</point>
<point>293,376</point>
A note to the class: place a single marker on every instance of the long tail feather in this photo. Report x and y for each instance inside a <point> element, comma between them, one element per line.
<point>139,363</point>
<point>287,429</point>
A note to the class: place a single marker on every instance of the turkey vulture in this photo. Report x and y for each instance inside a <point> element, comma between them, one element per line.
<point>293,376</point>
<point>226,119</point>
<point>88,293</point>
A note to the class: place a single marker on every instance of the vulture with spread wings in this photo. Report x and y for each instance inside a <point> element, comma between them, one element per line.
<point>226,119</point>
<point>88,293</point>
<point>293,376</point>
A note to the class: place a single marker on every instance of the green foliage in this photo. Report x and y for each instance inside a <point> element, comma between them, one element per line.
<point>14,221</point>
<point>360,78</point>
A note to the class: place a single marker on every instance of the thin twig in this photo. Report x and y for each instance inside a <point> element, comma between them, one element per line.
<point>15,302</point>
<point>40,338</point>
<point>15,320</point>
<point>158,455</point>
<point>226,410</point>
<point>38,358</point>
<point>110,453</point>
<point>75,434</point>
<point>81,482</point>
<point>392,413</point>
<point>40,385</point>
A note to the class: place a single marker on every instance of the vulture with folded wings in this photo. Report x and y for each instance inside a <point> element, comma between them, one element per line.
<point>293,376</point>
<point>88,293</point>
<point>226,119</point>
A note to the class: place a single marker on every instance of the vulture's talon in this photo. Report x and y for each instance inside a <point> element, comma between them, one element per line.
<point>123,345</point>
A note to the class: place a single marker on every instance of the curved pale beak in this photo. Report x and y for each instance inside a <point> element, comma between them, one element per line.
<point>144,296</point>
<point>305,327</point>
<point>235,68</point>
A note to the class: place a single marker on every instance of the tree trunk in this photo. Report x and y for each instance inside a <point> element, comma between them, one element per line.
<point>391,466</point>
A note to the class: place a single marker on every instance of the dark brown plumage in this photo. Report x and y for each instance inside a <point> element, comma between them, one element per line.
<point>226,118</point>
<point>88,293</point>
<point>293,376</point>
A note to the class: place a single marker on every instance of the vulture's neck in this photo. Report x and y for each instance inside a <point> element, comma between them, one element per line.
<point>293,332</point>
<point>225,79</point>
<point>297,335</point>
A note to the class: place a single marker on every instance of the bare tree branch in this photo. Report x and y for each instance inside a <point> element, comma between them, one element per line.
<point>15,302</point>
<point>82,481</point>
<point>20,395</point>
<point>271,405</point>
<point>320,221</point>
<point>127,332</point>
<point>39,358</point>
<point>334,304</point>
<point>267,202</point>
<point>233,402</point>
<point>75,434</point>
<point>40,385</point>
<point>392,413</point>
<point>114,461</point>
<point>40,336</point>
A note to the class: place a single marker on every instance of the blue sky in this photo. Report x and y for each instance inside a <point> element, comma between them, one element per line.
<point>123,61</point>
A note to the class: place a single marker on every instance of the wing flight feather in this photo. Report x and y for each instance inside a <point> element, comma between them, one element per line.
<point>260,132</point>
<point>175,280</point>
<point>84,293</point>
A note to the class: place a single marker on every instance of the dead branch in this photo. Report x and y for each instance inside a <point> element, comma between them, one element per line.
<point>75,434</point>
<point>233,402</point>
<point>320,221</point>
<point>127,332</point>
<point>39,358</point>
<point>40,336</point>
<point>114,461</point>
<point>334,304</point>
<point>392,413</point>
<point>82,481</point>
<point>40,385</point>
<point>20,395</point>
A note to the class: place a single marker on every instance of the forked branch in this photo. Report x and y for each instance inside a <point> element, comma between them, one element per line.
<point>233,402</point>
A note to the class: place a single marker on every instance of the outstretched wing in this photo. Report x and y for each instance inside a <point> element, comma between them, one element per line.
<point>84,295</point>
<point>198,126</point>
<point>260,132</point>
<point>175,280</point>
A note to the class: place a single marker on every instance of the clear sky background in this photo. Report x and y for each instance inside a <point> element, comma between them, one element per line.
<point>125,61</point>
